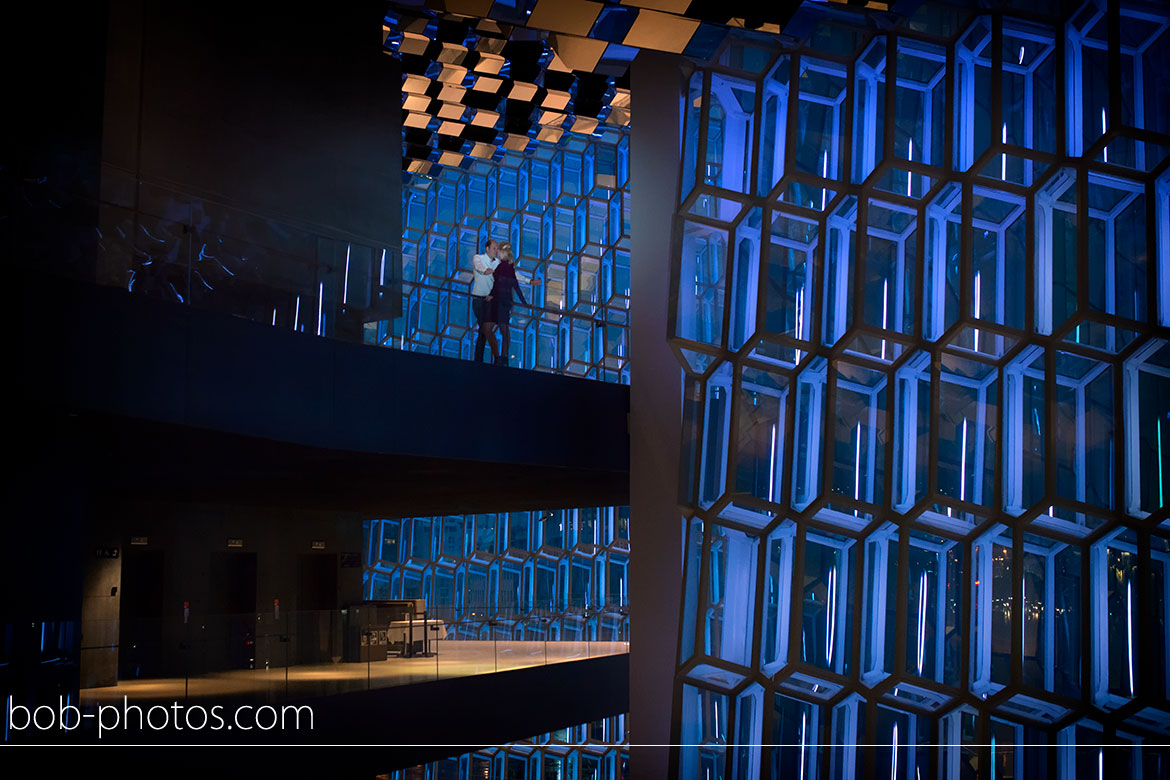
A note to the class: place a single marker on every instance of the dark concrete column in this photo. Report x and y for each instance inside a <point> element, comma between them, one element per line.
<point>655,413</point>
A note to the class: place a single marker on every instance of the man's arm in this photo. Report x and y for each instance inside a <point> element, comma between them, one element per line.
<point>479,263</point>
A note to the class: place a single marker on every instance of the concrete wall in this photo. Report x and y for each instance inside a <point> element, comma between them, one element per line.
<point>655,413</point>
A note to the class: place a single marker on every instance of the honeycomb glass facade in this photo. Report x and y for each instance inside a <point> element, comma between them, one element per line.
<point>921,302</point>
<point>557,575</point>
<point>565,209</point>
<point>598,750</point>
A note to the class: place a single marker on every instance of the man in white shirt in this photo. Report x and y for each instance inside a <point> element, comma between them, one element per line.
<point>482,267</point>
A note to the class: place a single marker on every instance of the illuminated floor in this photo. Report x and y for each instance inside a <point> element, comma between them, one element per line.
<point>453,659</point>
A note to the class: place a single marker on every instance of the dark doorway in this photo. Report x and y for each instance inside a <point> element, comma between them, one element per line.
<point>141,652</point>
<point>317,618</point>
<point>230,633</point>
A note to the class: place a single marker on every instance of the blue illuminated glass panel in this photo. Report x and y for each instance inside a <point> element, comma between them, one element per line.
<point>923,281</point>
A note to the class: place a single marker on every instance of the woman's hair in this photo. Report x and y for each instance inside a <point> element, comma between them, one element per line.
<point>506,253</point>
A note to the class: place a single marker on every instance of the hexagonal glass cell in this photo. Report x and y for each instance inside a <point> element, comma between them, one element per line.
<point>774,126</point>
<point>760,435</point>
<point>808,433</point>
<point>777,601</point>
<point>993,637</point>
<point>1146,387</point>
<point>826,622</point>
<point>869,109</point>
<point>704,733</point>
<point>749,719</point>
<point>817,151</point>
<point>1017,750</point>
<point>1026,425</point>
<point>879,618</point>
<point>795,727</point>
<point>701,284</point>
<point>716,427</point>
<point>840,255</point>
<point>788,289</point>
<point>730,129</point>
<point>729,601</point>
<point>1051,616</point>
<point>933,634</point>
<point>858,439</point>
<point>745,282</point>
<point>1084,430</point>
<point>1115,589</point>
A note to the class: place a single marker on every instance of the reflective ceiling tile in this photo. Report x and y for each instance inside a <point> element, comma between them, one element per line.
<point>452,94</point>
<point>621,98</point>
<point>451,111</point>
<point>663,32</point>
<point>452,53</point>
<point>416,102</point>
<point>670,6</point>
<point>568,16</point>
<point>557,64</point>
<point>419,166</point>
<point>416,120</point>
<point>452,74</point>
<point>551,119</point>
<point>489,63</point>
<point>556,100</point>
<point>619,117</point>
<point>585,125</point>
<point>522,90</point>
<point>415,85</point>
<point>578,53</point>
<point>483,151</point>
<point>417,25</point>
<point>491,45</point>
<point>487,84</point>
<point>413,43</point>
<point>451,128</point>
<point>515,142</point>
<point>450,158</point>
<point>485,118</point>
<point>550,134</point>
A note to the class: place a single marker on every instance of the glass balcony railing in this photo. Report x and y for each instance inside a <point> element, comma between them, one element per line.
<point>294,655</point>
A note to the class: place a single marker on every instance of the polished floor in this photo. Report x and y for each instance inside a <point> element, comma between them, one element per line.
<point>452,659</point>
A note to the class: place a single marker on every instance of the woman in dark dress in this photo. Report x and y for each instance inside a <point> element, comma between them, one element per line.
<point>503,288</point>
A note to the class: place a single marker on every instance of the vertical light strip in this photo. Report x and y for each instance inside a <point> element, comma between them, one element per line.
<point>297,315</point>
<point>1129,629</point>
<point>345,281</point>
<point>273,315</point>
<point>803,731</point>
<point>772,465</point>
<point>857,469</point>
<point>831,617</point>
<point>1003,157</point>
<point>963,465</point>
<point>921,621</point>
<point>910,174</point>
<point>885,311</point>
<point>894,755</point>
<point>1105,151</point>
<point>381,273</point>
<point>320,304</point>
<point>977,308</point>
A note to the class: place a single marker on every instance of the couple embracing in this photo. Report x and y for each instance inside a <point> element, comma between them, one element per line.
<point>494,282</point>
